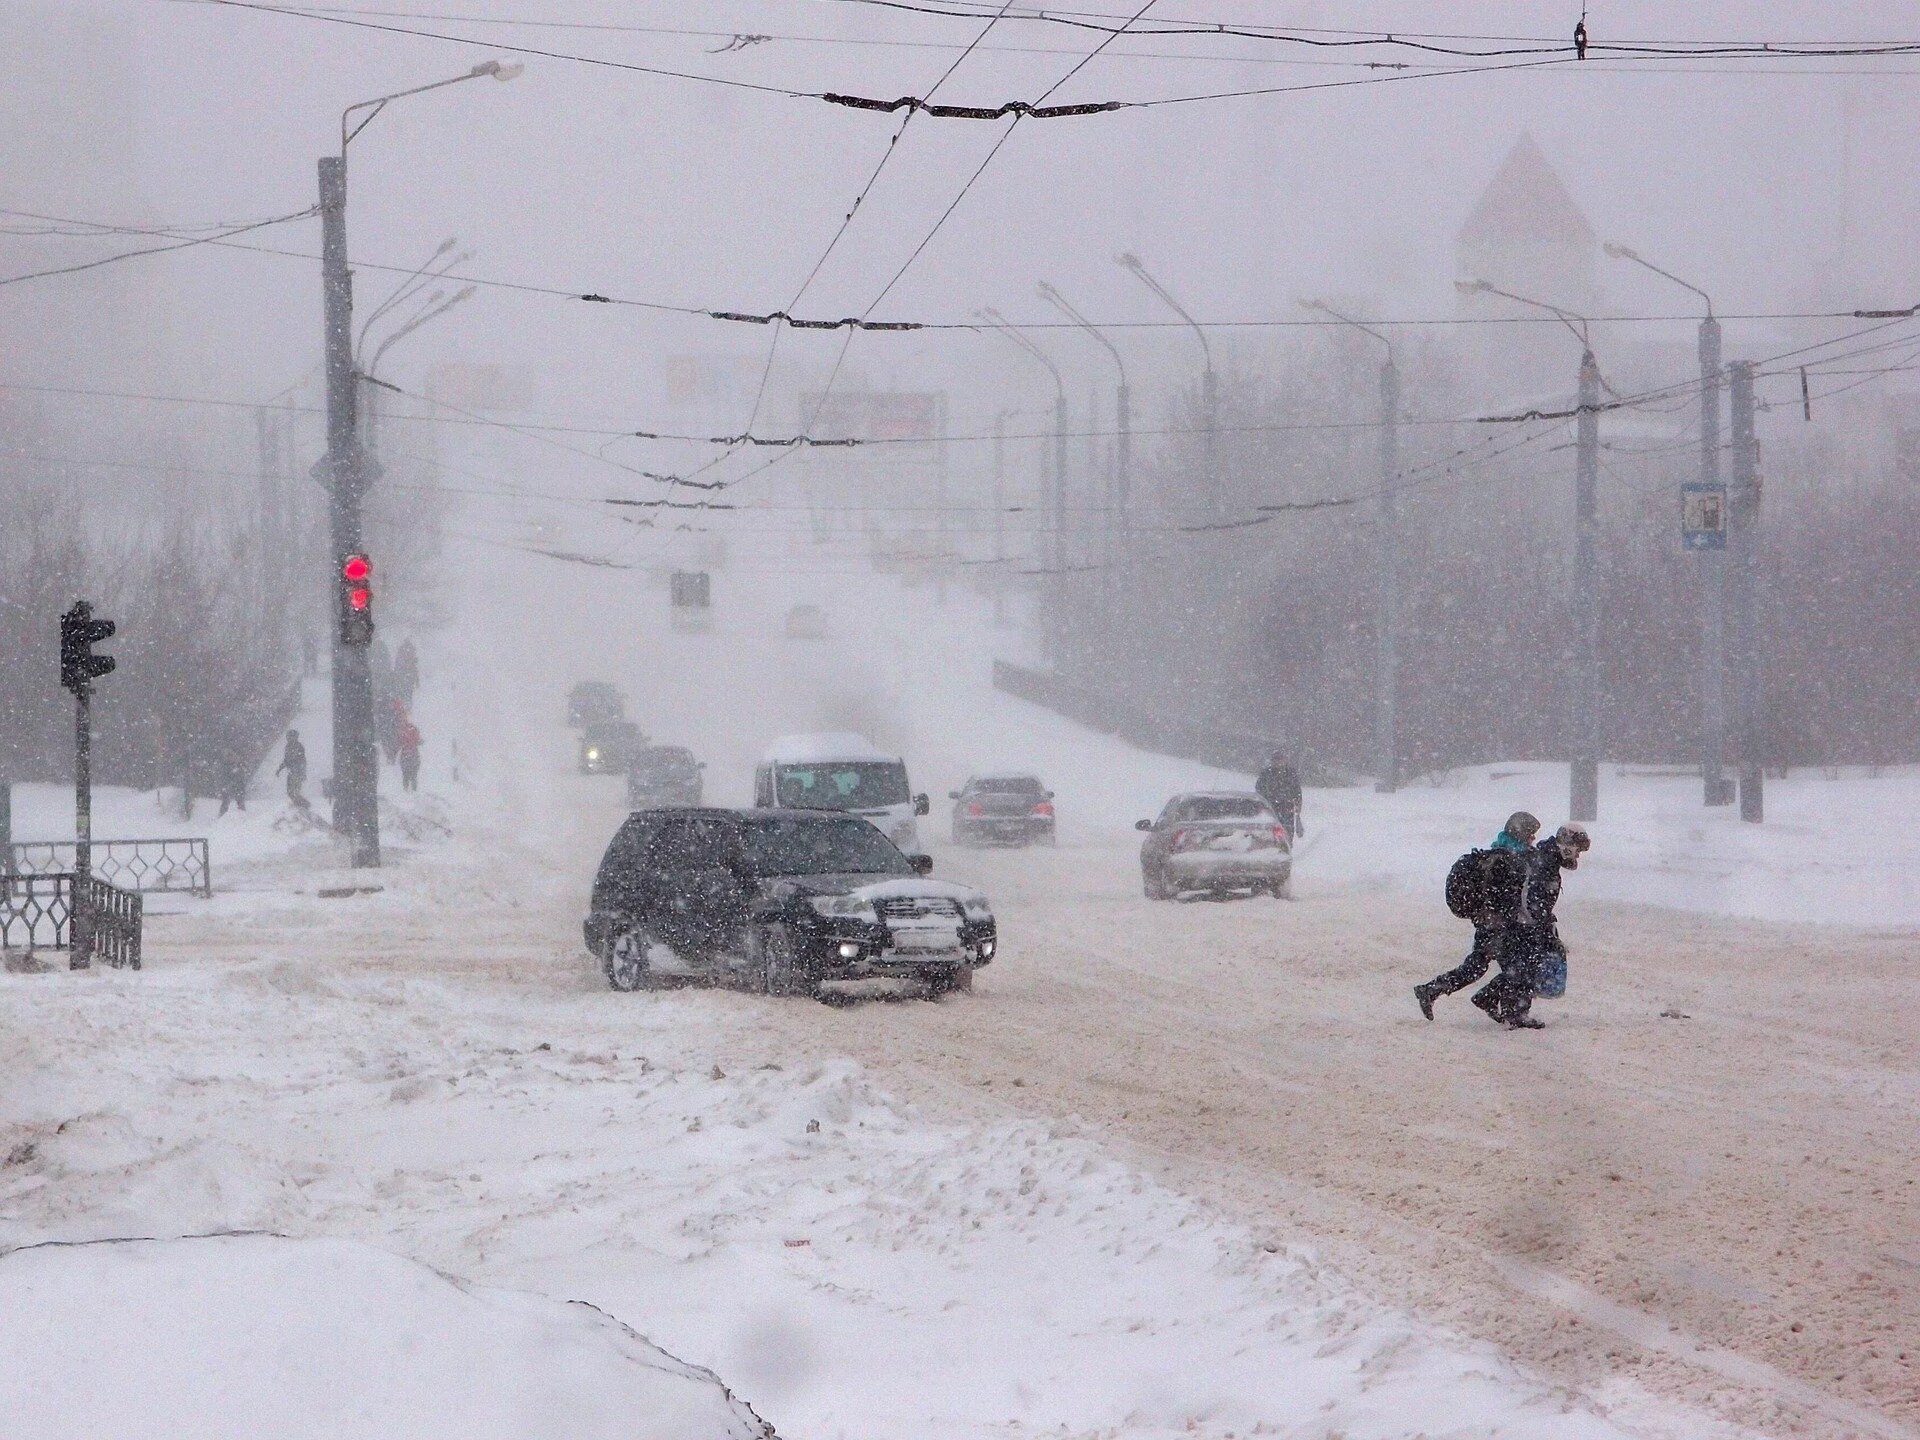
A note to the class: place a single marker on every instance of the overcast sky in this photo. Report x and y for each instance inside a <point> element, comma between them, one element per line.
<point>1773,189</point>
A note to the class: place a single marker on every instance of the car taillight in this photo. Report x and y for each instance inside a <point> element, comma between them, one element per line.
<point>1280,836</point>
<point>976,808</point>
<point>1044,809</point>
<point>1182,838</point>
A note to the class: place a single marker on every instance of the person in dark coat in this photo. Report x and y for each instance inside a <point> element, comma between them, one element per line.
<point>1279,785</point>
<point>293,764</point>
<point>1492,930</point>
<point>1509,998</point>
<point>406,671</point>
<point>234,774</point>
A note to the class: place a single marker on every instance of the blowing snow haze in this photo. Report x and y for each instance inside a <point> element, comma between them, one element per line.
<point>846,676</point>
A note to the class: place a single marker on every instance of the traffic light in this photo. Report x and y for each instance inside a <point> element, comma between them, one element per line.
<point>356,600</point>
<point>79,633</point>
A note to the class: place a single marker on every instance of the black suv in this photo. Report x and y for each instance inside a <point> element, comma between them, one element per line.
<point>781,901</point>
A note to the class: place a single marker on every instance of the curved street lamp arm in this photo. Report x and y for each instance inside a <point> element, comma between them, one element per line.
<point>1566,317</point>
<point>432,312</point>
<point>1059,302</point>
<point>1000,323</point>
<point>375,106</point>
<point>1326,309</point>
<point>409,287</point>
<point>1132,262</point>
<point>1621,252</point>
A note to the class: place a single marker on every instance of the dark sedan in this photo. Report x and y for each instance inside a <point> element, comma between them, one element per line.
<point>1002,810</point>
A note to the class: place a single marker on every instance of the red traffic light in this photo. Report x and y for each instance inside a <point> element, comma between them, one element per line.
<point>359,599</point>
<point>358,569</point>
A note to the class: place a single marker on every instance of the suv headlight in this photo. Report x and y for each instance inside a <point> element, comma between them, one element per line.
<point>844,907</point>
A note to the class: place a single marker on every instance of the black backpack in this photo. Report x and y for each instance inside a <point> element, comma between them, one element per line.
<point>1474,884</point>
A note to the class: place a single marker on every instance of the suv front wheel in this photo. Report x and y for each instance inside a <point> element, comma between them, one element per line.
<point>779,966</point>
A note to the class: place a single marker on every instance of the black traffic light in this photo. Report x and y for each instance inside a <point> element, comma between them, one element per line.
<point>79,633</point>
<point>356,600</point>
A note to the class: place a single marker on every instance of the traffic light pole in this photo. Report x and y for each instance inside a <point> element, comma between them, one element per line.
<point>347,472</point>
<point>81,916</point>
<point>1713,585</point>
<point>1387,655</point>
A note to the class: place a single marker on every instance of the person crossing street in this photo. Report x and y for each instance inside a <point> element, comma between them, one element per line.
<point>1496,911</point>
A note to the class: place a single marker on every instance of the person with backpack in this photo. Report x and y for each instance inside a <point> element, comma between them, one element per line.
<point>1486,887</point>
<point>1534,961</point>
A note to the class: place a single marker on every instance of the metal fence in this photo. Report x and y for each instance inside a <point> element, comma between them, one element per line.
<point>116,915</point>
<point>151,867</point>
<point>36,913</point>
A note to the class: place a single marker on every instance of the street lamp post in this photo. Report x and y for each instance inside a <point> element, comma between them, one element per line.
<point>348,472</point>
<point>1000,324</point>
<point>1386,732</point>
<point>1583,799</point>
<point>1123,445</point>
<point>1713,563</point>
<point>1209,386</point>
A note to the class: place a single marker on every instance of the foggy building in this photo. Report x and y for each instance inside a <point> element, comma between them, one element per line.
<point>1527,235</point>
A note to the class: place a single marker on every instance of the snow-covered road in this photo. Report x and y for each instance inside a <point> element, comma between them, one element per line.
<point>1171,1170</point>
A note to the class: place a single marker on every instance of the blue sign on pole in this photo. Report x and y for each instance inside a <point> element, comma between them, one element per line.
<point>1703,516</point>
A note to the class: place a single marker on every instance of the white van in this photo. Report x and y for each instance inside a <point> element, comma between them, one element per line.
<point>841,772</point>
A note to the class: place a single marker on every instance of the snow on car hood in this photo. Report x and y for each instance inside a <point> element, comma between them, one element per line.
<point>869,887</point>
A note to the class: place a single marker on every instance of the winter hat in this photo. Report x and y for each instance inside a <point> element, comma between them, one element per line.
<point>1522,826</point>
<point>1572,836</point>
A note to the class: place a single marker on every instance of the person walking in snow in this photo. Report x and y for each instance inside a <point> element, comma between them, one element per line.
<point>1499,914</point>
<point>407,746</point>
<point>234,775</point>
<point>293,764</point>
<point>1279,785</point>
<point>1535,942</point>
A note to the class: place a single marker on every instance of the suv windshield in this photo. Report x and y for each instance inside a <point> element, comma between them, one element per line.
<point>668,762</point>
<point>1008,785</point>
<point>843,785</point>
<point>1225,807</point>
<point>784,845</point>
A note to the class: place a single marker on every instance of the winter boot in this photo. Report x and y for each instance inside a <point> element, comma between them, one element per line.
<point>1423,996</point>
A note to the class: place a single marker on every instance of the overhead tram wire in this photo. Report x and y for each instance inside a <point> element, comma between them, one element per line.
<point>1326,38</point>
<point>846,223</point>
<point>927,239</point>
<point>972,326</point>
<point>100,261</point>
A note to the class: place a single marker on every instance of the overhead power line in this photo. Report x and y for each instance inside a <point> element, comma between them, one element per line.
<point>214,239</point>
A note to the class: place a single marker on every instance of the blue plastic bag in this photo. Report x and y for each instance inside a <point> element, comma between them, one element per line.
<point>1550,975</point>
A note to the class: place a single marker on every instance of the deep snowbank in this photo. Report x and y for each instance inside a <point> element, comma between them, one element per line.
<point>255,1336</point>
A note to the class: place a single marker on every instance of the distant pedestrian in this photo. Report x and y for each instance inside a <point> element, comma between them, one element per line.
<point>1279,785</point>
<point>406,671</point>
<point>409,751</point>
<point>1496,878</point>
<point>1534,946</point>
<point>234,773</point>
<point>293,764</point>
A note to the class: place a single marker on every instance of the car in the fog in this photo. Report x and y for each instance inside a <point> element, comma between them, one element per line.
<point>1216,842</point>
<point>841,771</point>
<point>806,622</point>
<point>783,902</point>
<point>608,747</point>
<point>662,775</point>
<point>1002,810</point>
<point>594,702</point>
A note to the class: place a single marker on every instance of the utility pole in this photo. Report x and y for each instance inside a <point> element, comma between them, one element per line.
<point>1584,799</point>
<point>1000,518</point>
<point>1713,586</point>
<point>346,472</point>
<point>1387,663</point>
<point>1743,544</point>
